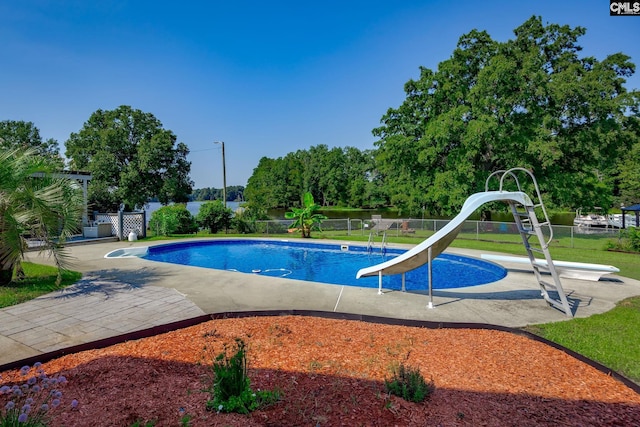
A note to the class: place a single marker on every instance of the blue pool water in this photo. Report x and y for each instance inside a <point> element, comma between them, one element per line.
<point>326,263</point>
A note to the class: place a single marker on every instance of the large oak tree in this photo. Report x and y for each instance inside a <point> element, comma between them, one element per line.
<point>132,159</point>
<point>530,102</point>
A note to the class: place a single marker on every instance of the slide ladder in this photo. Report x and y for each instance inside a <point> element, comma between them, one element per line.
<point>529,226</point>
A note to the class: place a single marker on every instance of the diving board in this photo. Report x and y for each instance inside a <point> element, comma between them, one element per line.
<point>568,269</point>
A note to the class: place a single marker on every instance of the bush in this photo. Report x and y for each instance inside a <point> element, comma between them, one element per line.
<point>409,384</point>
<point>214,216</point>
<point>244,221</point>
<point>633,234</point>
<point>628,240</point>
<point>231,388</point>
<point>172,219</point>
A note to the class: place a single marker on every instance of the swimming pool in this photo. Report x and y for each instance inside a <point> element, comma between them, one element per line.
<point>320,262</point>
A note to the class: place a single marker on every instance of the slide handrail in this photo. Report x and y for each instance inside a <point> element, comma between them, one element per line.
<point>511,173</point>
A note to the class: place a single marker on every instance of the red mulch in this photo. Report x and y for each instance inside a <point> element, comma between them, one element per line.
<point>332,372</point>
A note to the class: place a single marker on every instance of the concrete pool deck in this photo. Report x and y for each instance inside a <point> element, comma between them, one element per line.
<point>121,295</point>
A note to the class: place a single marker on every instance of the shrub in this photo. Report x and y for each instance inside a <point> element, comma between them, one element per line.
<point>633,234</point>
<point>214,216</point>
<point>628,240</point>
<point>172,219</point>
<point>231,388</point>
<point>306,218</point>
<point>409,384</point>
<point>245,219</point>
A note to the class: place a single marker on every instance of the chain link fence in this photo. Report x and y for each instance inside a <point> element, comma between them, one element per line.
<point>420,229</point>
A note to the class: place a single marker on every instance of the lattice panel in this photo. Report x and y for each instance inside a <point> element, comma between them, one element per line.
<point>132,222</point>
<point>109,218</point>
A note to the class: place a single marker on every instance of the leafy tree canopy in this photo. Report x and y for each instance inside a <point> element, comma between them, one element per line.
<point>530,102</point>
<point>132,158</point>
<point>336,176</point>
<point>234,193</point>
<point>17,134</point>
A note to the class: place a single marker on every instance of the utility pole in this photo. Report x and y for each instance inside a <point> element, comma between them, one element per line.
<point>224,174</point>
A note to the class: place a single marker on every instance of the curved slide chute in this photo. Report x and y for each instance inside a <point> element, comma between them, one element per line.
<point>438,242</point>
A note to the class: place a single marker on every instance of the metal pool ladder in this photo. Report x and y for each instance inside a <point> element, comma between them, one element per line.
<point>383,243</point>
<point>528,225</point>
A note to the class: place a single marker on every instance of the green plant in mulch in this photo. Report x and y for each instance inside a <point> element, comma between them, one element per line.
<point>409,384</point>
<point>230,386</point>
<point>33,402</point>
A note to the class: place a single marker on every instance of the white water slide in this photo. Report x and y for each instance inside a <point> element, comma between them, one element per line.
<point>438,242</point>
<point>523,210</point>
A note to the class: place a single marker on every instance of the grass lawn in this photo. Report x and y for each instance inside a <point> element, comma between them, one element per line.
<point>611,338</point>
<point>40,280</point>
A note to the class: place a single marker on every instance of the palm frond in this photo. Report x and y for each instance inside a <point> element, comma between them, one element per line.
<point>35,204</point>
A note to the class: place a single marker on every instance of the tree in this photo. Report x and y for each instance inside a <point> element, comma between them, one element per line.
<point>44,208</point>
<point>529,102</point>
<point>277,182</point>
<point>305,218</point>
<point>214,216</point>
<point>337,176</point>
<point>629,182</point>
<point>23,135</point>
<point>131,158</point>
<point>361,179</point>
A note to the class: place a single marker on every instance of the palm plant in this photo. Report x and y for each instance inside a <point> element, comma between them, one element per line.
<point>305,218</point>
<point>35,204</point>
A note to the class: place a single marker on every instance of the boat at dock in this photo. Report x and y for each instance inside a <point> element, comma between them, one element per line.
<point>591,220</point>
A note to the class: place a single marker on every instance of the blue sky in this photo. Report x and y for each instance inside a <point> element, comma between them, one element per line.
<point>267,78</point>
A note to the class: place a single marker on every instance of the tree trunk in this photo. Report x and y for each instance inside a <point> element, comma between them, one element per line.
<point>5,276</point>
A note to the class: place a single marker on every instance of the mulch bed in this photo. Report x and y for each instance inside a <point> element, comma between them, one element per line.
<point>331,373</point>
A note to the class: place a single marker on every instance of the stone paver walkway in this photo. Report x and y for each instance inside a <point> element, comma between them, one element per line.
<point>90,310</point>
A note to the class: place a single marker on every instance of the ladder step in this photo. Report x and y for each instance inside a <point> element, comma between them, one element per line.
<point>548,285</point>
<point>541,267</point>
